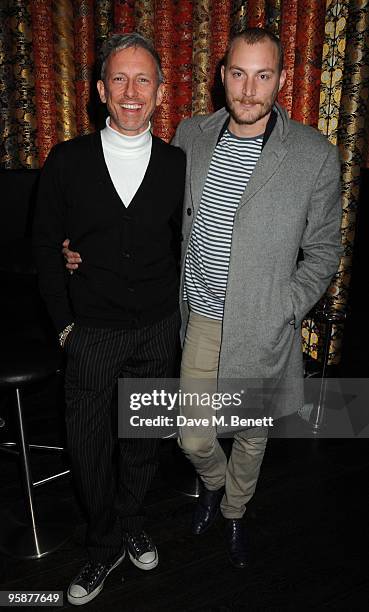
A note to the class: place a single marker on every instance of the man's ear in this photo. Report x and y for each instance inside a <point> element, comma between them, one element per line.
<point>222,69</point>
<point>282,79</point>
<point>101,89</point>
<point>160,94</point>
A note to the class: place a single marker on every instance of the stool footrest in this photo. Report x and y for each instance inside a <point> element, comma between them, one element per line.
<point>12,448</point>
<point>50,478</point>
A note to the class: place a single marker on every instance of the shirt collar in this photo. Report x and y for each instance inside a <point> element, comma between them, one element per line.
<point>116,140</point>
<point>268,128</point>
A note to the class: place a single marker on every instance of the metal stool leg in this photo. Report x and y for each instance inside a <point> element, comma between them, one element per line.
<point>190,486</point>
<point>181,475</point>
<point>319,412</point>
<point>26,473</point>
<point>33,540</point>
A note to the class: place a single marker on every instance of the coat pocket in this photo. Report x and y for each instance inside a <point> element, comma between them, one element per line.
<point>287,303</point>
<point>286,316</point>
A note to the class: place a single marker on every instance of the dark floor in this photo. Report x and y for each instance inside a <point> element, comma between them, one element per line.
<point>307,527</point>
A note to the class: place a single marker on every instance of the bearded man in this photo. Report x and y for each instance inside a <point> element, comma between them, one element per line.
<point>260,187</point>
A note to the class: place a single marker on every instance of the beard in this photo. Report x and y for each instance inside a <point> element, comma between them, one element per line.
<point>257,111</point>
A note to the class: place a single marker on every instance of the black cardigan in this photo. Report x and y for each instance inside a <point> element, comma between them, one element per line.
<point>129,271</point>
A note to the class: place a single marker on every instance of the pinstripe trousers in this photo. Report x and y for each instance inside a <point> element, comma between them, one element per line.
<point>112,491</point>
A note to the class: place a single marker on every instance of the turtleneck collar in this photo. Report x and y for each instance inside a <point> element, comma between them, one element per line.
<point>129,145</point>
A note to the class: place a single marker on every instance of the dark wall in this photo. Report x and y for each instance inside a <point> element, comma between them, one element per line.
<point>21,306</point>
<point>18,191</point>
<point>355,358</point>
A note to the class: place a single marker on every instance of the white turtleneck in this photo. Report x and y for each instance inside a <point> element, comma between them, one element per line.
<point>127,158</point>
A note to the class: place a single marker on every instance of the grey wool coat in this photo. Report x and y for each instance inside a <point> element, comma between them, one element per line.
<point>292,201</point>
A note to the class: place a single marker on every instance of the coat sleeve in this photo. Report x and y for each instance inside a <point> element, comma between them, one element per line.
<point>49,231</point>
<point>321,241</point>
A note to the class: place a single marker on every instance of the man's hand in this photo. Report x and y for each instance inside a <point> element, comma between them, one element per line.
<point>71,257</point>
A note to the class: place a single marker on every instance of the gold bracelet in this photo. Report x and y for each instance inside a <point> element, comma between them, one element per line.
<point>63,335</point>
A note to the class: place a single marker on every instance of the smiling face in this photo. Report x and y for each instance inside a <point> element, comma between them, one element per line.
<point>252,81</point>
<point>131,90</point>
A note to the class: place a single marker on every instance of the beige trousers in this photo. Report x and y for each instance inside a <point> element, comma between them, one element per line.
<point>238,475</point>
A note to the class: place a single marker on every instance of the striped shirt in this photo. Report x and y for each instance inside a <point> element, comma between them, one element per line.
<point>209,249</point>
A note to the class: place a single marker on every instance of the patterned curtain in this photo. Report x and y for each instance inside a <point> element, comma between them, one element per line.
<point>48,50</point>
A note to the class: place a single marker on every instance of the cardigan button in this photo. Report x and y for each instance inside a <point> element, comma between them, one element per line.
<point>126,255</point>
<point>189,211</point>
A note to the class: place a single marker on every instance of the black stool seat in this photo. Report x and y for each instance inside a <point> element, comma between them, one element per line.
<point>27,364</point>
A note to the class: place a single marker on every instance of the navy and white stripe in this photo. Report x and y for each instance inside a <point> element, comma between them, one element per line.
<point>207,260</point>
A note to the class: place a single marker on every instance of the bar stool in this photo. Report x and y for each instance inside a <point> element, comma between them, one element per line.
<point>325,315</point>
<point>20,367</point>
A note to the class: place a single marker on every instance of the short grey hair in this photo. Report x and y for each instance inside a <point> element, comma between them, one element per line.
<point>118,42</point>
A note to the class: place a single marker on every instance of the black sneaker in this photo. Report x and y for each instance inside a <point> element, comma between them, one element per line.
<point>90,581</point>
<point>142,550</point>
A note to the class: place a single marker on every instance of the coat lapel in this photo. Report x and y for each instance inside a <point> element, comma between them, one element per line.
<point>268,163</point>
<point>204,145</point>
<point>202,152</point>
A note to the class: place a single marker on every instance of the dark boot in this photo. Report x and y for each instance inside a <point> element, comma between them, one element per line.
<point>236,542</point>
<point>206,510</point>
